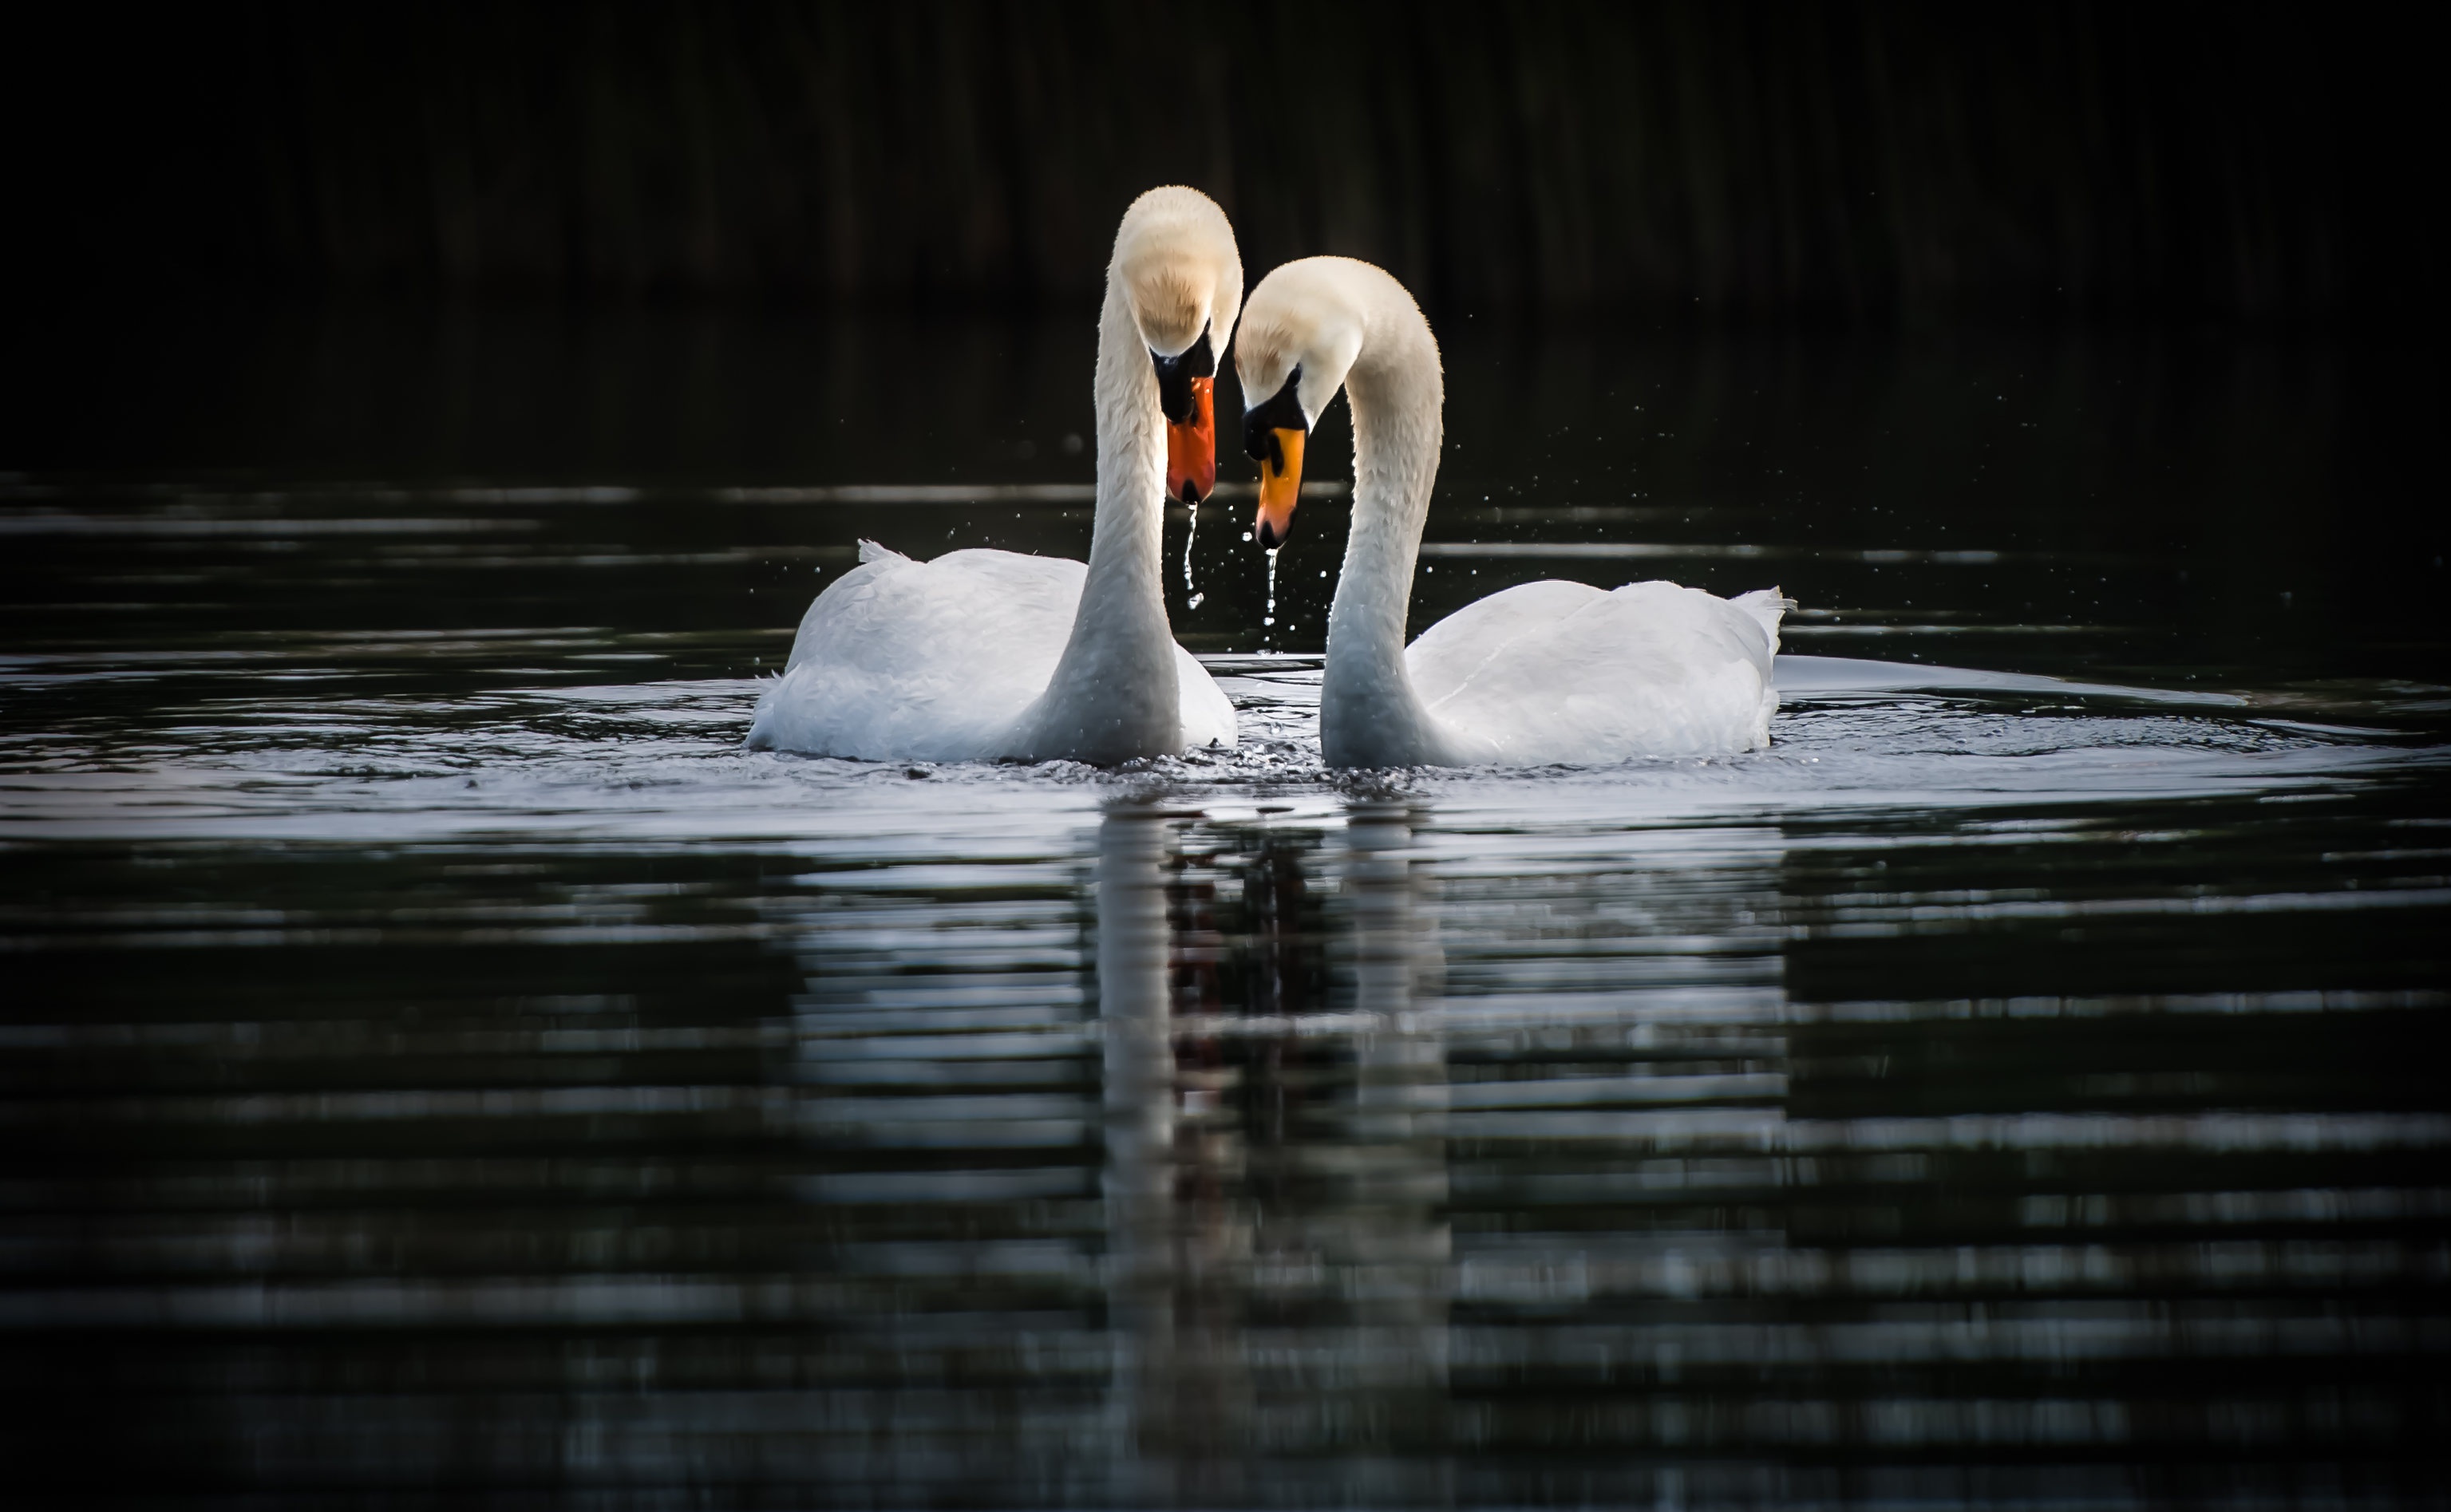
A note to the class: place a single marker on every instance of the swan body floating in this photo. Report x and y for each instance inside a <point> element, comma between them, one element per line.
<point>980,656</point>
<point>1540,674</point>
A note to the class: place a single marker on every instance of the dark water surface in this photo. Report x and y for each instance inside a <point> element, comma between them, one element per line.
<point>442,1069</point>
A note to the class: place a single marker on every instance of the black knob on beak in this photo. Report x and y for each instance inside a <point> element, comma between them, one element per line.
<point>1174,376</point>
<point>1281,411</point>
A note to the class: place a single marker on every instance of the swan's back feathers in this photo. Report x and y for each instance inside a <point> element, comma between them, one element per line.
<point>936,661</point>
<point>1766,606</point>
<point>1563,672</point>
<point>1449,653</point>
<point>932,661</point>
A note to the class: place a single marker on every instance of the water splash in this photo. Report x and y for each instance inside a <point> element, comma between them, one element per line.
<point>1188,536</point>
<point>1268,617</point>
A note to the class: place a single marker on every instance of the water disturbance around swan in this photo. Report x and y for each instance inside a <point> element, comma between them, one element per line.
<point>1268,616</point>
<point>1190,533</point>
<point>441,1058</point>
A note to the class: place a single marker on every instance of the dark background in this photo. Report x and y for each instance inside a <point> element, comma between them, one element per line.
<point>2135,302</point>
<point>1846,163</point>
<point>2103,277</point>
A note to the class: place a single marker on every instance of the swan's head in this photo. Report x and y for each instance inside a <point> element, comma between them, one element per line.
<point>1298,340</point>
<point>1181,278</point>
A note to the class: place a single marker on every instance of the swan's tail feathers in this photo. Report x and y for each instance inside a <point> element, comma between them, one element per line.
<point>1765,605</point>
<point>871,552</point>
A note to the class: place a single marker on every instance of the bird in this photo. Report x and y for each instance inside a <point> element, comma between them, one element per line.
<point>986,655</point>
<point>1543,673</point>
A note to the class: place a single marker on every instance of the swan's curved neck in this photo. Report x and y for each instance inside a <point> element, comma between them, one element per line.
<point>1369,716</point>
<point>1114,696</point>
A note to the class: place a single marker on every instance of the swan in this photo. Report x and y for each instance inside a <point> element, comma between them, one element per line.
<point>1538,674</point>
<point>980,656</point>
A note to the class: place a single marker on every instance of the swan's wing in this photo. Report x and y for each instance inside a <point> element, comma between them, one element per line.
<point>1766,606</point>
<point>1446,656</point>
<point>1207,714</point>
<point>1651,670</point>
<point>933,661</point>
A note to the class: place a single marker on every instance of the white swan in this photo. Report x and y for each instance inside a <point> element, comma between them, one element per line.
<point>1538,675</point>
<point>981,654</point>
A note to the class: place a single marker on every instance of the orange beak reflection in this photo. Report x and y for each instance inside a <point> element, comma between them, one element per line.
<point>1191,447</point>
<point>1280,489</point>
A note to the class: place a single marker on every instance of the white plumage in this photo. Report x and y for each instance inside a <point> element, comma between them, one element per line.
<point>1543,673</point>
<point>1556,672</point>
<point>981,654</point>
<point>938,660</point>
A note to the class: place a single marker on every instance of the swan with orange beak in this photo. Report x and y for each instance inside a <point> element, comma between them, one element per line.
<point>1538,674</point>
<point>1186,384</point>
<point>1296,364</point>
<point>981,654</point>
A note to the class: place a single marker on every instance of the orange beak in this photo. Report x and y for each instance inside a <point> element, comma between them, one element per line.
<point>1280,487</point>
<point>1191,447</point>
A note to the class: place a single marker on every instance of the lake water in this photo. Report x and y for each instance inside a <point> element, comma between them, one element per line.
<point>442,1068</point>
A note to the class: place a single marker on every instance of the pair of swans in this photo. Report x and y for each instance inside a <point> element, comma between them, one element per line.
<point>984,655</point>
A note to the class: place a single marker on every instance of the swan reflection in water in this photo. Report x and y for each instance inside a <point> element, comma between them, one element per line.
<point>1559,1168</point>
<point>1278,1265</point>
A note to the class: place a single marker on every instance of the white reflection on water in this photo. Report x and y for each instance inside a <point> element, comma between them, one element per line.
<point>1159,1359</point>
<point>438,1065</point>
<point>1273,1275</point>
<point>1990,1065</point>
<point>1237,1135</point>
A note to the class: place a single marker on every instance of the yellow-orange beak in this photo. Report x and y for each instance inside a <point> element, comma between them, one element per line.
<point>1280,487</point>
<point>1191,447</point>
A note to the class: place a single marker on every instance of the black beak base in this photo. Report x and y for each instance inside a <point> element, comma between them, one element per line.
<point>1281,411</point>
<point>1174,376</point>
